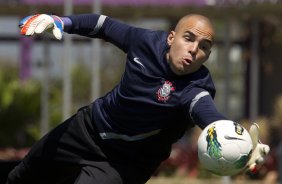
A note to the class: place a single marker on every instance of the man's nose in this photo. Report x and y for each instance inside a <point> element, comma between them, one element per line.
<point>194,48</point>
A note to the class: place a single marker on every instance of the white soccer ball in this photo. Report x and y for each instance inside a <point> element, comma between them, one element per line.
<point>224,148</point>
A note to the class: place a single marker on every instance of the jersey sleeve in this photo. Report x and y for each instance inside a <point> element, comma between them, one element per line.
<point>202,109</point>
<point>111,30</point>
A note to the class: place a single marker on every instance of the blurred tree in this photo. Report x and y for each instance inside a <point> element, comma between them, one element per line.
<point>55,110</point>
<point>81,77</point>
<point>19,107</point>
<point>20,102</point>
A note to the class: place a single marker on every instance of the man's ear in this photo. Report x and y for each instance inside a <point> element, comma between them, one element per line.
<point>170,37</point>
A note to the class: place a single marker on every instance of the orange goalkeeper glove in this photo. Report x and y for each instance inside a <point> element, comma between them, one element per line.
<point>39,23</point>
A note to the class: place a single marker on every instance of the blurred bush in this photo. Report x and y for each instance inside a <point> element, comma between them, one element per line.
<point>19,107</point>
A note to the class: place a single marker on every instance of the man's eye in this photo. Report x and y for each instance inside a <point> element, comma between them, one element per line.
<point>188,38</point>
<point>205,47</point>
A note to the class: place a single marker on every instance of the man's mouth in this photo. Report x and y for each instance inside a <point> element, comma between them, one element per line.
<point>187,61</point>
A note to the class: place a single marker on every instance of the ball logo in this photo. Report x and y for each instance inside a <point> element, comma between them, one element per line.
<point>238,129</point>
<point>163,94</point>
<point>213,147</point>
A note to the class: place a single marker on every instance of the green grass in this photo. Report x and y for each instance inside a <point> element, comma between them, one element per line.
<point>179,180</point>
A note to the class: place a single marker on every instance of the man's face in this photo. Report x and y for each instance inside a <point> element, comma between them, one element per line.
<point>190,45</point>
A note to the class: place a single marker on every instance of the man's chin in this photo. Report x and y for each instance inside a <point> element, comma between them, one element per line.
<point>181,72</point>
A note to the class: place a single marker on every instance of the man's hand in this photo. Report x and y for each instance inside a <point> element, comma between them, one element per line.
<point>39,23</point>
<point>260,151</point>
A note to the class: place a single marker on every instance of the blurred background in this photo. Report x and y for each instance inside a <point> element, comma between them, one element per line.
<point>43,81</point>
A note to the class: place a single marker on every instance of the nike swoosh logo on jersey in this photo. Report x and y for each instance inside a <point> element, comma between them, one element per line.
<point>136,60</point>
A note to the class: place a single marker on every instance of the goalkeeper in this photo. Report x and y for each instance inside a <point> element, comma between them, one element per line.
<point>122,137</point>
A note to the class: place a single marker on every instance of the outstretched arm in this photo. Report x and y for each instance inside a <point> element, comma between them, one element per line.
<point>90,25</point>
<point>202,109</point>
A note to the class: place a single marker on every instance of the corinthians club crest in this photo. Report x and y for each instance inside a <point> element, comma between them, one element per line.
<point>163,94</point>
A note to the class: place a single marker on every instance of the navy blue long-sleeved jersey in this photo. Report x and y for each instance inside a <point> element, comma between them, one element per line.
<point>151,107</point>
